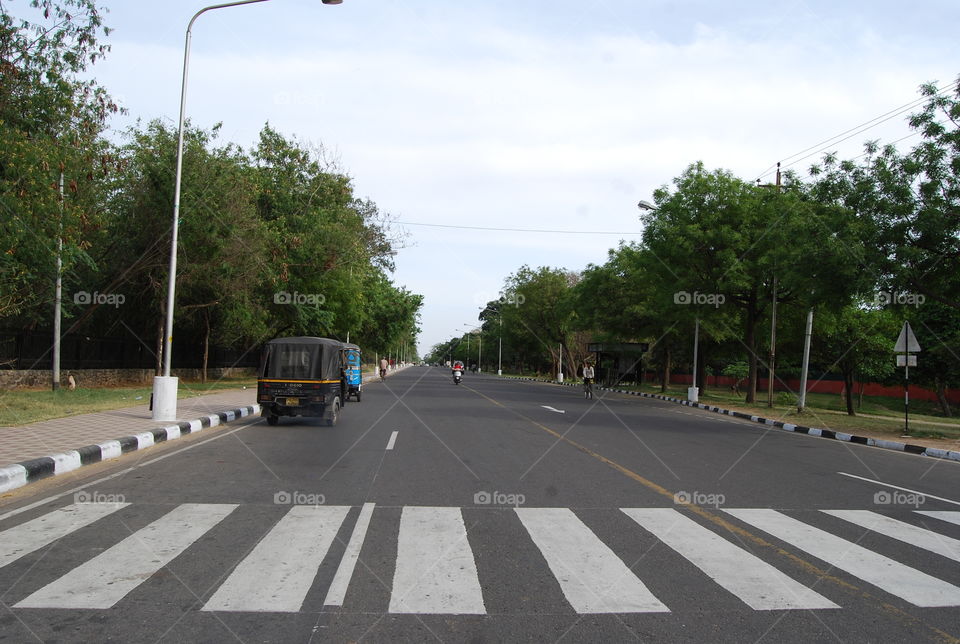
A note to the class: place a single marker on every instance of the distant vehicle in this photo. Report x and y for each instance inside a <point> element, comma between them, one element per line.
<point>302,376</point>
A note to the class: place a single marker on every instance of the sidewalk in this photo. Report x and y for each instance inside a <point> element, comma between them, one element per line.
<point>60,435</point>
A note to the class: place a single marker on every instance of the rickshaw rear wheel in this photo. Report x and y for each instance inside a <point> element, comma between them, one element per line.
<point>334,412</point>
<point>273,419</point>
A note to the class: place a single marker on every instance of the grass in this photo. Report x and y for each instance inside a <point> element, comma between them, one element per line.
<point>21,407</point>
<point>829,411</point>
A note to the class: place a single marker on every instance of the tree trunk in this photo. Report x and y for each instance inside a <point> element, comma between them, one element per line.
<point>666,370</point>
<point>863,386</point>
<point>701,371</point>
<point>751,341</point>
<point>206,349</point>
<point>941,390</point>
<point>848,391</point>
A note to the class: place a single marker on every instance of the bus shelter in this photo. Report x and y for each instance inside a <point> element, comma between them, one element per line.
<point>618,362</point>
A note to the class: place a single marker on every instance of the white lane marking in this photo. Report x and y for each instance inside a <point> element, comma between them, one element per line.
<point>591,576</point>
<point>33,535</point>
<point>943,515</point>
<point>30,506</point>
<point>559,411</point>
<point>757,583</point>
<point>919,537</point>
<point>897,487</point>
<point>435,571</point>
<point>341,580</point>
<point>393,439</point>
<point>918,588</point>
<point>106,579</point>
<point>278,572</point>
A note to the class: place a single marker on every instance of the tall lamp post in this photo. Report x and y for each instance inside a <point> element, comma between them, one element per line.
<point>165,386</point>
<point>500,348</point>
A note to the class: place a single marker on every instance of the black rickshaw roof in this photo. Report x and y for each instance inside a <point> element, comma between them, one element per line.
<point>306,340</point>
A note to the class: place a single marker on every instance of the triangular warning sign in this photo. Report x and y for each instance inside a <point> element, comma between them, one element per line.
<point>907,341</point>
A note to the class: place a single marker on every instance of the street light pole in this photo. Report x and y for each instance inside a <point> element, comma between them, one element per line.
<point>165,386</point>
<point>693,393</point>
<point>500,348</point>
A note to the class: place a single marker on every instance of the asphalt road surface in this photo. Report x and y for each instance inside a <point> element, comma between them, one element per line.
<point>492,511</point>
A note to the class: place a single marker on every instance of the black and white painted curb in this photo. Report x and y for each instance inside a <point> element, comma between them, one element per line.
<point>19,474</point>
<point>790,427</point>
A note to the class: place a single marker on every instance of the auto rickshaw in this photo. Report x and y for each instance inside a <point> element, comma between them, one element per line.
<point>352,371</point>
<point>301,376</point>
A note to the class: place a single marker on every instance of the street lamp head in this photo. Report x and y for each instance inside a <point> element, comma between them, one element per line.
<point>332,1</point>
<point>646,205</point>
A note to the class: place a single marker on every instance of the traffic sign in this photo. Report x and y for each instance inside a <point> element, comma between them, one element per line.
<point>907,341</point>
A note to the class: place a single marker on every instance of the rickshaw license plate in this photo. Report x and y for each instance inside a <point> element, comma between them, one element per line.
<point>292,402</point>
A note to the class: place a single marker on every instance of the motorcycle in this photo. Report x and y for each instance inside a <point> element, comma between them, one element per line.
<point>457,376</point>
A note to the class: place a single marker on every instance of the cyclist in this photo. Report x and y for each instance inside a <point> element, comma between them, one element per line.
<point>383,368</point>
<point>588,380</point>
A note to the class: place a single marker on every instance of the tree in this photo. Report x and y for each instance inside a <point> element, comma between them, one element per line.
<point>856,340</point>
<point>51,122</point>
<point>910,199</point>
<point>716,240</point>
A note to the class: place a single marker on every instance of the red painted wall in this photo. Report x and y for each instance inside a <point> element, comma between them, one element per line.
<point>823,387</point>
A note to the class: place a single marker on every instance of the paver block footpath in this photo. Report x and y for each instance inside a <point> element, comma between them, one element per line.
<point>46,448</point>
<point>49,447</point>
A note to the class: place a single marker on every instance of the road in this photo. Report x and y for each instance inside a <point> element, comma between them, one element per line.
<point>496,510</point>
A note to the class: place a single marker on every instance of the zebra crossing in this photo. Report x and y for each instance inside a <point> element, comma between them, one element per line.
<point>435,570</point>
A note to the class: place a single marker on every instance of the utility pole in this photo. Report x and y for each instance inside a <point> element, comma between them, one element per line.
<point>802,401</point>
<point>500,348</point>
<point>58,297</point>
<point>773,344</point>
<point>773,312</point>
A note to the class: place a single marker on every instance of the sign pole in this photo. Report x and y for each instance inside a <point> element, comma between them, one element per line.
<point>906,396</point>
<point>905,347</point>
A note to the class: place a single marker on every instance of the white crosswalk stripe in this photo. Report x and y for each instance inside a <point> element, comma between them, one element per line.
<point>435,571</point>
<point>938,543</point>
<point>757,583</point>
<point>909,584</point>
<point>33,535</point>
<point>592,577</point>
<point>944,515</point>
<point>278,572</point>
<point>107,578</point>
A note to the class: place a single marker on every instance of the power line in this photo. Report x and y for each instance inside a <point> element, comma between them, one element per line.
<point>521,230</point>
<point>850,133</point>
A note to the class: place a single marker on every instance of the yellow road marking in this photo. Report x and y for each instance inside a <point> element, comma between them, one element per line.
<point>893,611</point>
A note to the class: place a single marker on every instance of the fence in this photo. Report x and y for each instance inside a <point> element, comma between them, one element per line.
<point>34,350</point>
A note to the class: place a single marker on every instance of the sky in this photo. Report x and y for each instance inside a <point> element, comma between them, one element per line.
<point>542,115</point>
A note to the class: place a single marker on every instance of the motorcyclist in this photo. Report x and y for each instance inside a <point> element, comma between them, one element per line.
<point>457,369</point>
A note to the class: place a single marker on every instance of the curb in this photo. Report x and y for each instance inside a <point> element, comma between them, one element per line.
<point>19,474</point>
<point>790,427</point>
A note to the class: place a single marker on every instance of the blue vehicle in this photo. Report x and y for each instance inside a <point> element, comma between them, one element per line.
<point>352,371</point>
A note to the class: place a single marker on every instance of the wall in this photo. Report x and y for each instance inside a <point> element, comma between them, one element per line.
<point>42,378</point>
<point>819,387</point>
